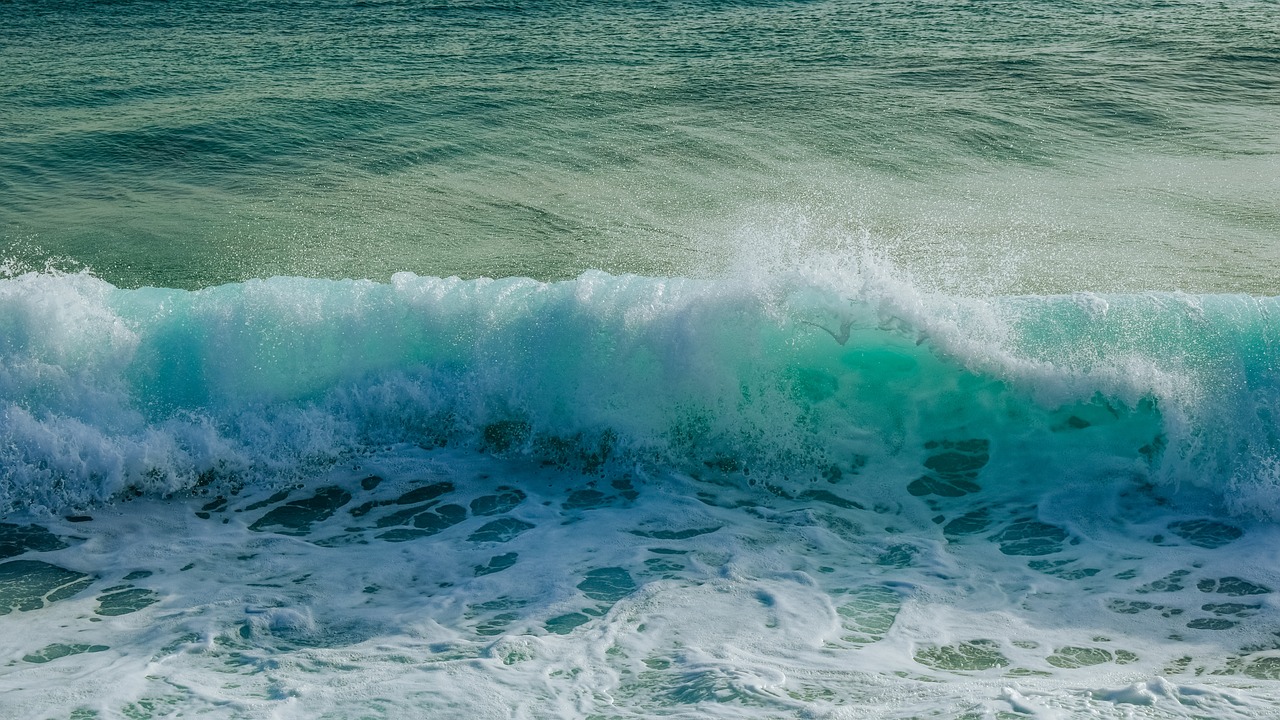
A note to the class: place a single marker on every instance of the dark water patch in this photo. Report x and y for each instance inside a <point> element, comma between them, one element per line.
<point>625,488</point>
<point>1233,586</point>
<point>1234,609</point>
<point>1029,536</point>
<point>353,538</point>
<point>1074,422</point>
<point>403,535</point>
<point>966,656</point>
<point>1133,607</point>
<point>1169,583</point>
<point>663,566</point>
<point>440,519</point>
<point>1063,569</point>
<point>831,498</point>
<point>27,585</point>
<point>297,517</point>
<point>505,500</point>
<point>1211,624</point>
<point>403,517</point>
<point>721,499</point>
<point>125,602</point>
<point>1265,668</point>
<point>138,575</point>
<point>928,485</point>
<point>953,468</point>
<point>898,556</point>
<point>495,625</point>
<point>565,624</point>
<point>497,563</point>
<point>609,584</point>
<point>839,526</point>
<point>424,493</point>
<point>18,539</point>
<point>275,498</point>
<point>970,523</point>
<point>370,483</point>
<point>500,530</point>
<point>1077,657</point>
<point>495,615</point>
<point>425,522</point>
<point>675,534</point>
<point>1206,533</point>
<point>503,602</point>
<point>587,499</point>
<point>59,650</point>
<point>200,147</point>
<point>833,474</point>
<point>962,458</point>
<point>218,504</point>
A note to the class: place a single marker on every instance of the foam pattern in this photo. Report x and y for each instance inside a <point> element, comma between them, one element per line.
<point>807,495</point>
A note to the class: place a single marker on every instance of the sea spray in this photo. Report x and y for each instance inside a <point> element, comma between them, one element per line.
<point>109,390</point>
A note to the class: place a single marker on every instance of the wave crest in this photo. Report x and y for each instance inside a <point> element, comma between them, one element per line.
<point>775,379</point>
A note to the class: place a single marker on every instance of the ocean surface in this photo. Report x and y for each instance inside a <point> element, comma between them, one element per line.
<point>792,359</point>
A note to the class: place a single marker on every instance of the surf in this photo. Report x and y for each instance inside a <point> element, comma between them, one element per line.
<point>775,492</point>
<point>157,391</point>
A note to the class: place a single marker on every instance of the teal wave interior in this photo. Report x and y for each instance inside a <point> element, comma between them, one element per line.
<point>153,389</point>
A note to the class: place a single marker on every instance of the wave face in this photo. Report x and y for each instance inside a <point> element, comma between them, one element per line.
<point>782,381</point>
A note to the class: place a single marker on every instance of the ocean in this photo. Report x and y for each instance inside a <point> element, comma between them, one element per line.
<point>786,359</point>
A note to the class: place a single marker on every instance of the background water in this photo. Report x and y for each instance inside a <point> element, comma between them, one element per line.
<point>802,359</point>
<point>986,146</point>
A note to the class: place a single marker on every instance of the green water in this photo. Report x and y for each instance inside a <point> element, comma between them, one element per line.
<point>1024,147</point>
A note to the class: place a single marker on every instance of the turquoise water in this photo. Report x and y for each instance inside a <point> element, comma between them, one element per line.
<point>593,360</point>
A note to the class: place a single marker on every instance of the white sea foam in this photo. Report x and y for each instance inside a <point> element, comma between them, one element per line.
<point>813,493</point>
<point>106,390</point>
<point>688,598</point>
